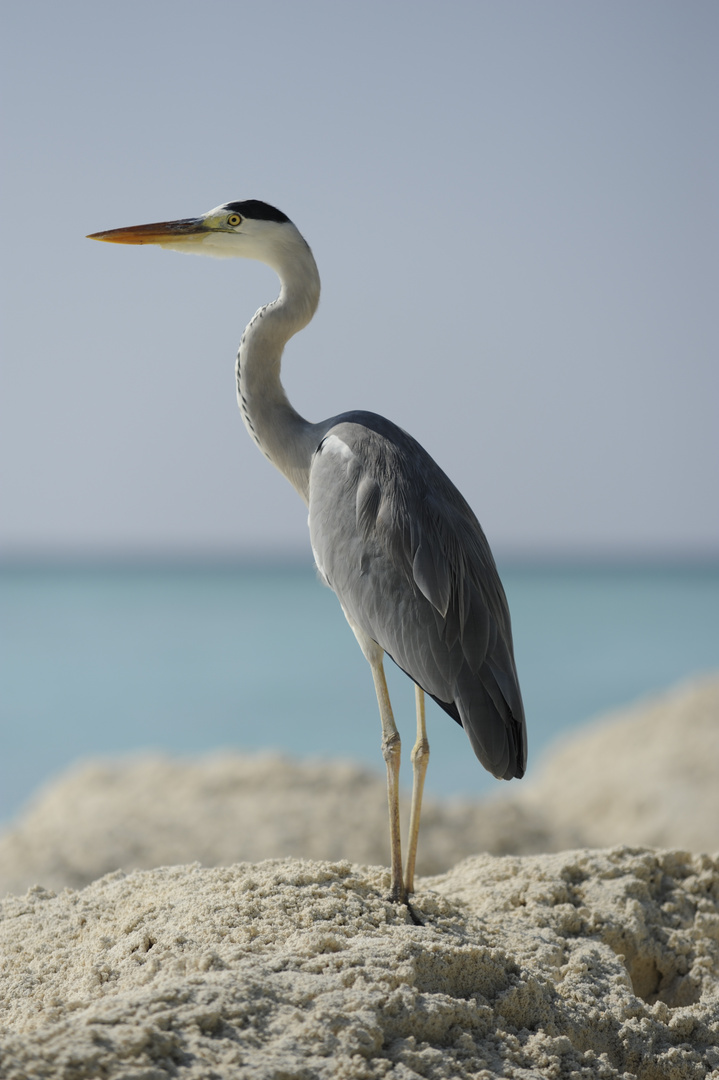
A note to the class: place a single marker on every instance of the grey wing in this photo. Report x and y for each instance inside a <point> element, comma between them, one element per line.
<point>412,568</point>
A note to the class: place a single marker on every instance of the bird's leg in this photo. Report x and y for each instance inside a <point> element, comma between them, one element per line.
<point>391,747</point>
<point>420,761</point>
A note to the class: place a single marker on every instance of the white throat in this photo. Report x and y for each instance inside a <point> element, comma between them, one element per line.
<point>285,438</point>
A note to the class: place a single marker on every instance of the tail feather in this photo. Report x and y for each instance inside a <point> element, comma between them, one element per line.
<point>496,731</point>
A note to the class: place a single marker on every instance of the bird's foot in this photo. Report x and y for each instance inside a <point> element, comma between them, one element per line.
<point>401,899</point>
<point>413,915</point>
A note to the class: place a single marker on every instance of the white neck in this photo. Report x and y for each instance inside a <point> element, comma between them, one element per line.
<point>285,438</point>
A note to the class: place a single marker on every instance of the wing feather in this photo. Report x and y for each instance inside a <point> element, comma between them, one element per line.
<point>412,568</point>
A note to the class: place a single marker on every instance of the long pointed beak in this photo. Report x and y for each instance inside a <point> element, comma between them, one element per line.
<point>160,232</point>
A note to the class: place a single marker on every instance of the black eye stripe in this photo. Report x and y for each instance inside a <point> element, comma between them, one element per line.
<point>258,211</point>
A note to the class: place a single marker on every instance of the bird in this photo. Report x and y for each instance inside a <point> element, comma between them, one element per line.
<point>390,533</point>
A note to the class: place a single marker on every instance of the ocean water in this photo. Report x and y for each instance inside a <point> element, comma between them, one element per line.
<point>112,660</point>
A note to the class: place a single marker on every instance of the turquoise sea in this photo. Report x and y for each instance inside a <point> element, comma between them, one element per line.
<point>101,660</point>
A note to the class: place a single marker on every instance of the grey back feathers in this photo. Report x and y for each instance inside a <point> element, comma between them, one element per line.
<point>404,552</point>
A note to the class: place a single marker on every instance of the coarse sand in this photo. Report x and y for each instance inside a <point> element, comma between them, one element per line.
<point>582,964</point>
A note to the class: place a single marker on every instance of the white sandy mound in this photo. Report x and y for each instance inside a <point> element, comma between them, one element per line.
<point>648,776</point>
<point>156,811</point>
<point>645,775</point>
<point>580,965</point>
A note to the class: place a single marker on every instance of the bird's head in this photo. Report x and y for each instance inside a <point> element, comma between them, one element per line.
<point>249,228</point>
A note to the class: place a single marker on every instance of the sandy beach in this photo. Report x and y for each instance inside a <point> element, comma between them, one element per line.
<point>597,961</point>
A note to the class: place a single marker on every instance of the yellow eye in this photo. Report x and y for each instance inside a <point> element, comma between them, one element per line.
<point>234,219</point>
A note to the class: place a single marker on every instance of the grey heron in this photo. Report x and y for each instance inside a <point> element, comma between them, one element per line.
<point>390,533</point>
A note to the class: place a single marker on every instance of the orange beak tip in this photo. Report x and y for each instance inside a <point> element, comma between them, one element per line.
<point>158,233</point>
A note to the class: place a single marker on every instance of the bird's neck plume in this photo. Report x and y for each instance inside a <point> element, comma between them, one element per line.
<point>280,432</point>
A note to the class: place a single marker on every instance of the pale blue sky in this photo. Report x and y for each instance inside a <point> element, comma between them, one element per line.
<point>514,209</point>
